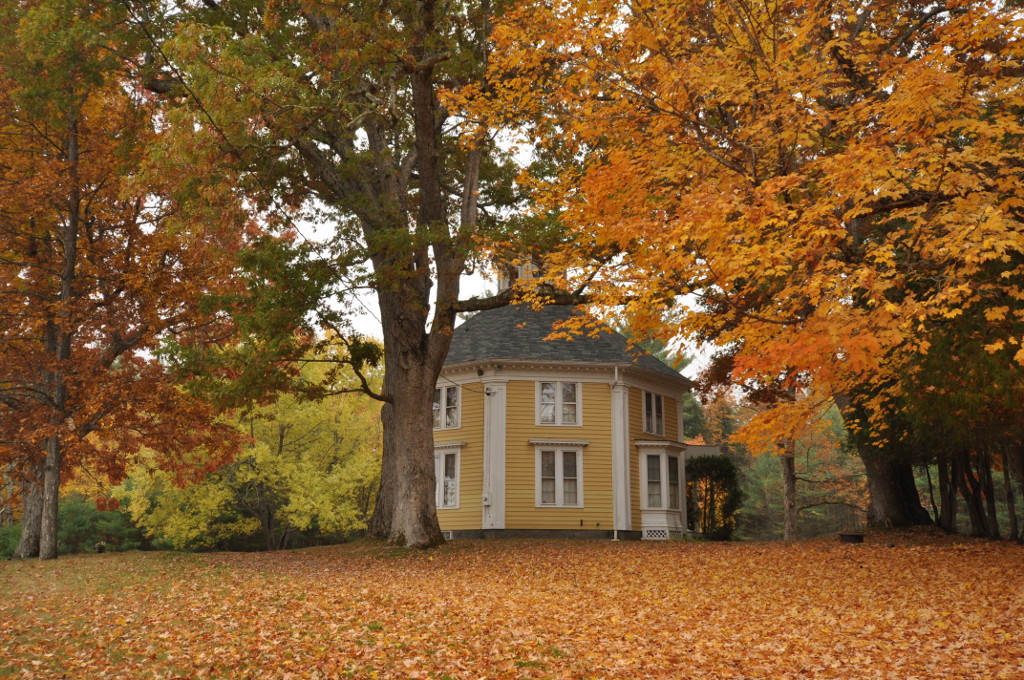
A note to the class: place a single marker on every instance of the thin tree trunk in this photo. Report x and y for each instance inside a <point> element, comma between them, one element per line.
<point>931,494</point>
<point>711,503</point>
<point>947,493</point>
<point>59,342</point>
<point>268,530</point>
<point>989,491</point>
<point>788,460</point>
<point>51,499</point>
<point>1011,505</point>
<point>32,504</point>
<point>970,489</point>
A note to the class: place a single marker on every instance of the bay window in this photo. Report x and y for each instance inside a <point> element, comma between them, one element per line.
<point>661,481</point>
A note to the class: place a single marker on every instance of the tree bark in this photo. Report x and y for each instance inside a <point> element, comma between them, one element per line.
<point>405,513</point>
<point>58,341</point>
<point>788,460</point>
<point>1017,474</point>
<point>51,499</point>
<point>931,494</point>
<point>970,489</point>
<point>894,500</point>
<point>1011,505</point>
<point>947,494</point>
<point>32,504</point>
<point>989,492</point>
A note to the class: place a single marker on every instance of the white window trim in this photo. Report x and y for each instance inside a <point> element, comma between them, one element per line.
<point>558,403</point>
<point>440,451</point>
<point>663,455</point>
<point>561,449</point>
<point>458,407</point>
<point>643,407</point>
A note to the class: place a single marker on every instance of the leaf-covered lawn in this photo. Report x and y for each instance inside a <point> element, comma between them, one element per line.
<point>524,609</point>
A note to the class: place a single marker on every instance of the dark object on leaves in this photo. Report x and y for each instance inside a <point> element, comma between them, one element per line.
<point>851,537</point>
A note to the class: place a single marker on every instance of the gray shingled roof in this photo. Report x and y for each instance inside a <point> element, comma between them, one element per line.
<point>517,332</point>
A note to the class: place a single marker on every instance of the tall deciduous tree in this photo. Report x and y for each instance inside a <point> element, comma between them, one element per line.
<point>834,181</point>
<point>333,112</point>
<point>97,261</point>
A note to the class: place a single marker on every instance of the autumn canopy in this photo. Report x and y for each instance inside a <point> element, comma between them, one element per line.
<point>828,195</point>
<point>834,187</point>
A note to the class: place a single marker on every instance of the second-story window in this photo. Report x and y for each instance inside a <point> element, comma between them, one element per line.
<point>654,413</point>
<point>558,403</point>
<point>446,407</point>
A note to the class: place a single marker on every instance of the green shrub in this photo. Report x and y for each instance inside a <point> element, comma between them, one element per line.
<point>9,540</point>
<point>80,526</point>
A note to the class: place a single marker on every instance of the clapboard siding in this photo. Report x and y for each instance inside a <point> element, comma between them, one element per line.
<point>471,474</point>
<point>520,480</point>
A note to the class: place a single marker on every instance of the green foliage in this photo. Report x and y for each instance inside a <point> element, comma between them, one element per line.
<point>81,526</point>
<point>713,495</point>
<point>309,474</point>
<point>9,540</point>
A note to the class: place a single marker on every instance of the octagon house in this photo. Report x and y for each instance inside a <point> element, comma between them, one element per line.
<point>580,437</point>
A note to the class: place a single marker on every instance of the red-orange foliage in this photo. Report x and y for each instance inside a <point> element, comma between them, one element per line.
<point>99,259</point>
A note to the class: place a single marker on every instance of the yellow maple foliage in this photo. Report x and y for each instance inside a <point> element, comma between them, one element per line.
<point>833,183</point>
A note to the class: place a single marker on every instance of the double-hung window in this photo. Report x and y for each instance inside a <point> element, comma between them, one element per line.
<point>559,477</point>
<point>654,413</point>
<point>661,476</point>
<point>558,403</point>
<point>446,407</point>
<point>446,471</point>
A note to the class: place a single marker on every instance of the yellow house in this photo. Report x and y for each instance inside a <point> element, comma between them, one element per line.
<point>537,437</point>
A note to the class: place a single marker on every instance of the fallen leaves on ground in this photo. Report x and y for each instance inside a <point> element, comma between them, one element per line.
<point>894,608</point>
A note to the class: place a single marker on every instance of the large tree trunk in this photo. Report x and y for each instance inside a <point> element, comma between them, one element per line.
<point>414,521</point>
<point>32,503</point>
<point>788,460</point>
<point>406,510</point>
<point>894,501</point>
<point>379,524</point>
<point>406,513</point>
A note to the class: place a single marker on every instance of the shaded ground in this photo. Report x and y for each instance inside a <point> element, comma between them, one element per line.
<point>923,608</point>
